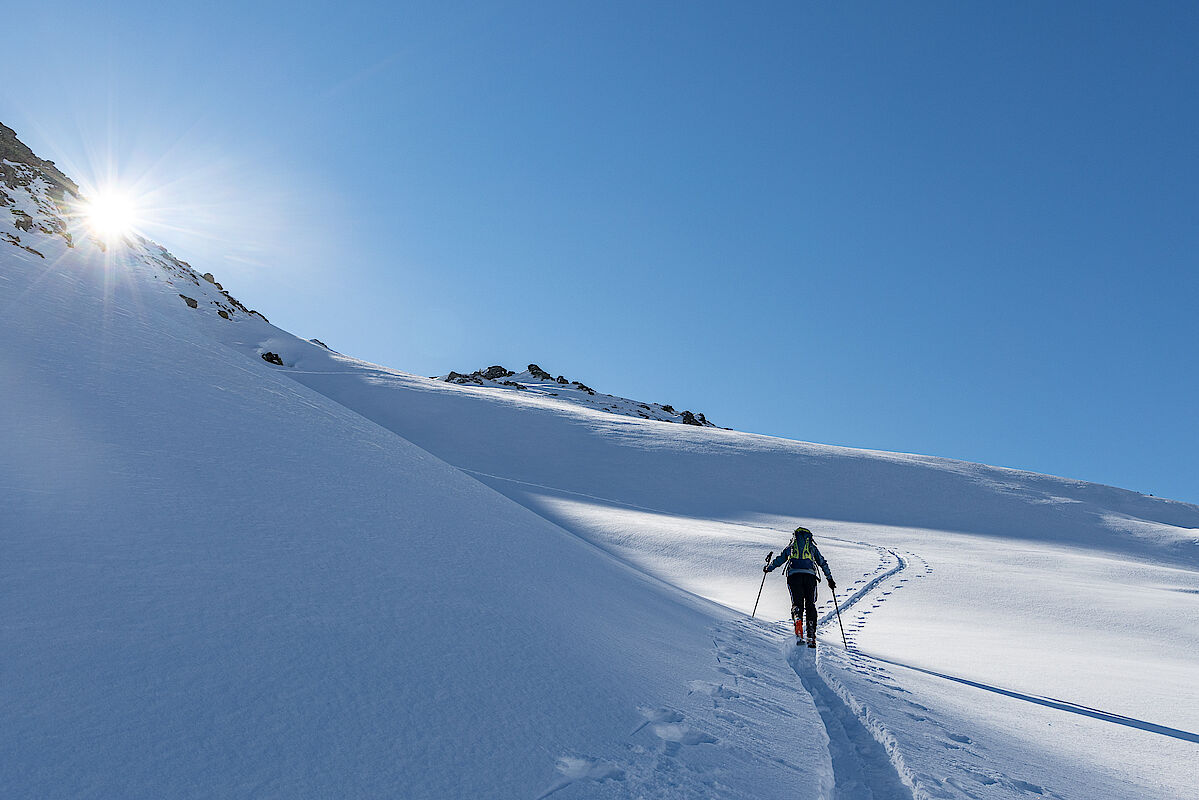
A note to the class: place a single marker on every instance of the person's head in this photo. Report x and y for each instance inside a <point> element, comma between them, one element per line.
<point>802,533</point>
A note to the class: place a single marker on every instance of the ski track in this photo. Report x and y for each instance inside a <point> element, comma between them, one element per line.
<point>865,760</point>
<point>865,757</point>
<point>863,769</point>
<point>969,773</point>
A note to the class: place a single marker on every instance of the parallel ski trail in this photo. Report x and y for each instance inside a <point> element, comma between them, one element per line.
<point>862,769</point>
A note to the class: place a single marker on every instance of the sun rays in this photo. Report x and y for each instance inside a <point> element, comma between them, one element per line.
<point>111,214</point>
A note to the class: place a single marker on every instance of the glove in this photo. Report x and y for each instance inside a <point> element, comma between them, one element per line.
<point>832,584</point>
<point>766,568</point>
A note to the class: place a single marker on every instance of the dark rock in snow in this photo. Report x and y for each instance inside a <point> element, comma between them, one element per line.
<point>208,277</point>
<point>190,302</point>
<point>16,240</point>
<point>14,150</point>
<point>314,341</point>
<point>223,313</point>
<point>495,376</point>
<point>272,358</point>
<point>492,373</point>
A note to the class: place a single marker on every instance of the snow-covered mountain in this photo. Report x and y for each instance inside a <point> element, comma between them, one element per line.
<point>537,381</point>
<point>237,563</point>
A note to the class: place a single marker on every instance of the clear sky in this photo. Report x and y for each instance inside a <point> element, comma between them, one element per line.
<point>963,229</point>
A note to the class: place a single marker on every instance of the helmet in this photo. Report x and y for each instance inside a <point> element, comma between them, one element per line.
<point>802,531</point>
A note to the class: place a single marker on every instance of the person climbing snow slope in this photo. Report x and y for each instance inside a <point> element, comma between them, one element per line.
<point>801,558</point>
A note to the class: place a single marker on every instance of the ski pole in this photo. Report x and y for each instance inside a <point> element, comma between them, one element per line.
<point>837,606</point>
<point>768,556</point>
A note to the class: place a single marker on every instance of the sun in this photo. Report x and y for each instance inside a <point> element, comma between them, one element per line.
<point>111,215</point>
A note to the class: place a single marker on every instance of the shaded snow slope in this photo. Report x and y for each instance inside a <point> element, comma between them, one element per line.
<point>218,583</point>
<point>721,474</point>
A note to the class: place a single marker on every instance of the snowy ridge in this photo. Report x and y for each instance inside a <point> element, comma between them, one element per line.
<point>538,382</point>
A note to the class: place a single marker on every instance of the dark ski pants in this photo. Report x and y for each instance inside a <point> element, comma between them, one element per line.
<point>803,597</point>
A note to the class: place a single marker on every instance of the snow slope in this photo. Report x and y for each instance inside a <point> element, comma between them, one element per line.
<point>1021,633</point>
<point>328,578</point>
<point>218,583</point>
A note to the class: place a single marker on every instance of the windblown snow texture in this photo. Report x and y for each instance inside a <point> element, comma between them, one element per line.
<point>240,564</point>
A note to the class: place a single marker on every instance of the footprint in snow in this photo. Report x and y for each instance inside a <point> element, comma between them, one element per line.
<point>710,689</point>
<point>1025,786</point>
<point>658,716</point>
<point>681,734</point>
<point>575,768</point>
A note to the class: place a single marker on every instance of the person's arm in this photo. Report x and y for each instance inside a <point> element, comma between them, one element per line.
<point>832,584</point>
<point>778,561</point>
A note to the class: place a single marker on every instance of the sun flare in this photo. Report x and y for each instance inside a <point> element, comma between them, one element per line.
<point>111,215</point>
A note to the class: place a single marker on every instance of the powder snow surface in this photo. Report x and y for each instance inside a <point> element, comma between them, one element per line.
<point>227,578</point>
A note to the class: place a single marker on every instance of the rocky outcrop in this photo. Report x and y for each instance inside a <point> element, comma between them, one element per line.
<point>539,373</point>
<point>14,150</point>
<point>535,380</point>
<point>493,373</point>
<point>41,199</point>
<point>459,378</point>
<point>272,358</point>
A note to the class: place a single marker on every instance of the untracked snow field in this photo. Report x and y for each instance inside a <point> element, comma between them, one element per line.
<point>224,577</point>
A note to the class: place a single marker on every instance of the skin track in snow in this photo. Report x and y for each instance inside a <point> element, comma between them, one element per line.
<point>862,768</point>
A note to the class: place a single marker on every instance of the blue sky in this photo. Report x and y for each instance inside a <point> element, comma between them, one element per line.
<point>961,229</point>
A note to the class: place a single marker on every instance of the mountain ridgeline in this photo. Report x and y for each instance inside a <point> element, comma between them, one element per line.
<point>536,381</point>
